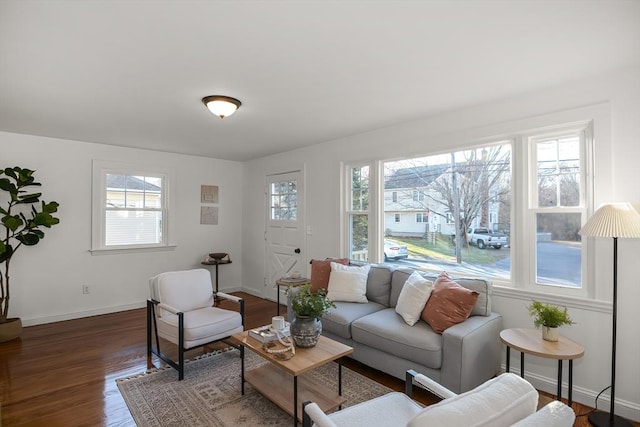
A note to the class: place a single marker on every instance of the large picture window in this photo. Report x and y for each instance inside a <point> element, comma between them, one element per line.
<point>507,209</point>
<point>472,186</point>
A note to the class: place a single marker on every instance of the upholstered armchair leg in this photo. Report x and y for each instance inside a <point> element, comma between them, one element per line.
<point>149,312</point>
<point>242,312</point>
<point>408,382</point>
<point>242,370</point>
<point>180,346</point>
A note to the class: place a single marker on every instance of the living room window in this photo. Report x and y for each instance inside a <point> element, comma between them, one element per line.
<point>358,212</point>
<point>479,187</point>
<point>469,185</point>
<point>130,208</point>
<point>557,206</point>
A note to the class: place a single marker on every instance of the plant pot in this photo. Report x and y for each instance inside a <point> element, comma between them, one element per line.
<point>306,331</point>
<point>10,330</point>
<point>549,334</point>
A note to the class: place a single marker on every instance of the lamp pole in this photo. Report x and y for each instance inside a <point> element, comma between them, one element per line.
<point>602,419</point>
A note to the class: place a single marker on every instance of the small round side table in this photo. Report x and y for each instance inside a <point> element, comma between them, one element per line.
<point>530,341</point>
<point>288,283</point>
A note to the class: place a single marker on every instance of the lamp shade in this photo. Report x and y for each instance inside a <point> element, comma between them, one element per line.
<point>221,106</point>
<point>613,220</point>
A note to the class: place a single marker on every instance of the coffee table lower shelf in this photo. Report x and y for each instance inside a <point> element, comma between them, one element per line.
<point>265,378</point>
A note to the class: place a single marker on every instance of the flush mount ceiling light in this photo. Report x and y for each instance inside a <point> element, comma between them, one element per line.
<point>221,106</point>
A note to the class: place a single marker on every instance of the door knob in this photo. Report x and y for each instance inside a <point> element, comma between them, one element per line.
<point>297,250</point>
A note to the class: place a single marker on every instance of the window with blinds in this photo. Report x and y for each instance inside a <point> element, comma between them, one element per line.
<point>130,208</point>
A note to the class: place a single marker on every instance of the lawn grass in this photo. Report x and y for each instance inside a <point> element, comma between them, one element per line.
<point>442,249</point>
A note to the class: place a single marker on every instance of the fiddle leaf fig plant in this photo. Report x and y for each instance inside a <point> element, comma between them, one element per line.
<point>22,217</point>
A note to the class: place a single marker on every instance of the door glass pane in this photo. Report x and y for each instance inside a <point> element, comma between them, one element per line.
<point>558,249</point>
<point>284,202</point>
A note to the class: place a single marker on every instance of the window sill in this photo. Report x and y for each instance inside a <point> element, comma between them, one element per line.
<point>132,250</point>
<point>562,300</point>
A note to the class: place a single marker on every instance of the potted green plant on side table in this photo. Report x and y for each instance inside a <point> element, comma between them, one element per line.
<point>550,317</point>
<point>308,307</point>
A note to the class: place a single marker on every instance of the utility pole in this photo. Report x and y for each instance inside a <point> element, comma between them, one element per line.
<point>456,208</point>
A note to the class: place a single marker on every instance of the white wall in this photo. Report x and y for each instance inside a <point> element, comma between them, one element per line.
<point>47,279</point>
<point>617,157</point>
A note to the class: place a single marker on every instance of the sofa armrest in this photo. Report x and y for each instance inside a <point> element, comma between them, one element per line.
<point>554,414</point>
<point>471,352</point>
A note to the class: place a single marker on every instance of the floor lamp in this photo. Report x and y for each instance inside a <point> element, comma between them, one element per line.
<point>617,220</point>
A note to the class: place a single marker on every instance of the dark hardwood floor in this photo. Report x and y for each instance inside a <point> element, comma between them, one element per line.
<point>63,374</point>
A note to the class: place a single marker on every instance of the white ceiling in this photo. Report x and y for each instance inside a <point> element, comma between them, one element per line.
<point>132,73</point>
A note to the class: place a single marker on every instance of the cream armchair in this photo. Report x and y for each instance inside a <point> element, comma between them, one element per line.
<point>506,400</point>
<point>181,311</point>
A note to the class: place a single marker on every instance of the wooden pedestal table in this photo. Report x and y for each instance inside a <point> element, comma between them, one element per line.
<point>288,283</point>
<point>216,262</point>
<point>271,379</point>
<point>530,341</point>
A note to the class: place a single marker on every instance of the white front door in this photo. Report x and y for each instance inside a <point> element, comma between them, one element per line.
<point>285,238</point>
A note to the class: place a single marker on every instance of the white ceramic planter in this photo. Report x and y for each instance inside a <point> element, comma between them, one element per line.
<point>549,334</point>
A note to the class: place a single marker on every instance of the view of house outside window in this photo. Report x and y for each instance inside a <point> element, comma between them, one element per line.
<point>453,211</point>
<point>472,186</point>
<point>133,210</point>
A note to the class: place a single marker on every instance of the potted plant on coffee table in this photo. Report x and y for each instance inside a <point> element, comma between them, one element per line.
<point>550,317</point>
<point>308,307</point>
<point>22,218</point>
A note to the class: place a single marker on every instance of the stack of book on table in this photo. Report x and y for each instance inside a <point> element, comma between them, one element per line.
<point>266,333</point>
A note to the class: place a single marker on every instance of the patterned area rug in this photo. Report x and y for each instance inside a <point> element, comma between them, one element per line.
<point>210,395</point>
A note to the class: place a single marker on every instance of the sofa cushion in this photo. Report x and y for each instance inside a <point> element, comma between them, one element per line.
<point>485,292</point>
<point>398,279</point>
<point>386,330</point>
<point>348,283</point>
<point>320,271</point>
<point>413,297</point>
<point>501,401</point>
<point>483,287</point>
<point>449,304</point>
<point>379,284</point>
<point>338,320</point>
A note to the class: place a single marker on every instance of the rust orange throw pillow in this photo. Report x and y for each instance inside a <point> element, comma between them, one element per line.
<point>321,270</point>
<point>449,304</point>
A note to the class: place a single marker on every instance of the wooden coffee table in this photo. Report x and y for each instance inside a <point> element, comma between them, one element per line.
<point>271,379</point>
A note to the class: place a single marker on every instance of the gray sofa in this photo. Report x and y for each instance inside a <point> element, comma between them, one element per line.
<point>463,357</point>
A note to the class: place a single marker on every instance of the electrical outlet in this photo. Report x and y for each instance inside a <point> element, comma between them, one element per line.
<point>85,289</point>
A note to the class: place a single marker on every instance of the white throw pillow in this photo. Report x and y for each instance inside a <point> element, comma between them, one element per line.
<point>413,297</point>
<point>348,283</point>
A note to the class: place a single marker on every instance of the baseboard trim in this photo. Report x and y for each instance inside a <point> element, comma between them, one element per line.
<point>624,408</point>
<point>80,314</point>
<point>33,321</point>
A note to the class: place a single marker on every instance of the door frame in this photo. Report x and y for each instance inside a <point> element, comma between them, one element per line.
<point>302,221</point>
